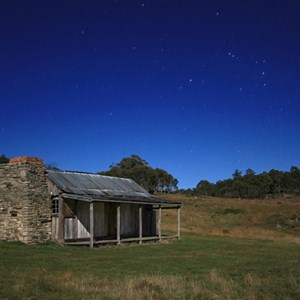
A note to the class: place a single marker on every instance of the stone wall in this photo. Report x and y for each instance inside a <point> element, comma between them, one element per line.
<point>25,205</point>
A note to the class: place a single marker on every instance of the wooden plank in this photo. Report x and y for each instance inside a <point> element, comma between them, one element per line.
<point>105,242</point>
<point>100,223</point>
<point>167,237</point>
<point>77,243</point>
<point>54,228</point>
<point>75,221</point>
<point>91,224</point>
<point>166,207</point>
<point>137,239</point>
<point>178,223</point>
<point>83,220</point>
<point>159,223</point>
<point>140,224</point>
<point>118,223</point>
<point>69,229</point>
<point>61,221</point>
<point>148,238</point>
<point>111,220</point>
<point>130,220</point>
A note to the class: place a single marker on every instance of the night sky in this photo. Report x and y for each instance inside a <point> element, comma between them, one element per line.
<point>198,88</point>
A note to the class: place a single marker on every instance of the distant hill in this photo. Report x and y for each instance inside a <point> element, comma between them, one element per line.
<point>275,219</point>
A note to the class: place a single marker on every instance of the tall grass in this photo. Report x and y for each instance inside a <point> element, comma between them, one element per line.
<point>273,219</point>
<point>214,286</point>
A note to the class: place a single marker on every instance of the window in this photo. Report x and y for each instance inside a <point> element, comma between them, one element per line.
<point>55,205</point>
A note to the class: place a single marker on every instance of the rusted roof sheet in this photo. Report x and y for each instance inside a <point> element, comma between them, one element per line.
<point>93,187</point>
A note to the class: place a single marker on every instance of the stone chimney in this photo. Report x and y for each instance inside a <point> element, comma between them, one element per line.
<point>25,159</point>
<point>25,205</point>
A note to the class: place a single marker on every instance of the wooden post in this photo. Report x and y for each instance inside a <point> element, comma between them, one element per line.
<point>91,224</point>
<point>178,222</point>
<point>61,220</point>
<point>118,224</point>
<point>159,223</point>
<point>140,224</point>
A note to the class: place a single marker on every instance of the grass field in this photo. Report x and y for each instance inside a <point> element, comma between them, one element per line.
<point>229,250</point>
<point>273,219</point>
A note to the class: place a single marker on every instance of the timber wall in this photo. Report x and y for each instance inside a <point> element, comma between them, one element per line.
<point>25,205</point>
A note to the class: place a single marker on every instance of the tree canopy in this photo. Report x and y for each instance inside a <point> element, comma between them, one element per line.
<point>3,159</point>
<point>52,166</point>
<point>136,168</point>
<point>252,185</point>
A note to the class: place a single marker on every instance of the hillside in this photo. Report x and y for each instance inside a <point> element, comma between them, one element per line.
<point>274,219</point>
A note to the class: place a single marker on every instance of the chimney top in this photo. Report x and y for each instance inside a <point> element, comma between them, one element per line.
<point>24,159</point>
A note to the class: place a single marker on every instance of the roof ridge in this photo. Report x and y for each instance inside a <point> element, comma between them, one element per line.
<point>87,173</point>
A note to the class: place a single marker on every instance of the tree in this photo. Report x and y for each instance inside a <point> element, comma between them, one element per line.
<point>165,181</point>
<point>250,172</point>
<point>237,174</point>
<point>204,188</point>
<point>240,189</point>
<point>138,169</point>
<point>223,188</point>
<point>131,162</point>
<point>277,181</point>
<point>295,179</point>
<point>52,166</point>
<point>3,159</point>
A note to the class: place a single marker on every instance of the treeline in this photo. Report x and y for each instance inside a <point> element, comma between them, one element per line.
<point>251,185</point>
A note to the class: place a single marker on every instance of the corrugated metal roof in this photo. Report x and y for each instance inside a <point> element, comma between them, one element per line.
<point>92,187</point>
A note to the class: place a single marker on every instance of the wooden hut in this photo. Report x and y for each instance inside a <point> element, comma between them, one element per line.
<point>95,209</point>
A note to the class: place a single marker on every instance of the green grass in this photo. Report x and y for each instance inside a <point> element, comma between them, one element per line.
<point>197,267</point>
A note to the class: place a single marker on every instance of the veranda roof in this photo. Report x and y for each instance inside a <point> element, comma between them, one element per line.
<point>94,187</point>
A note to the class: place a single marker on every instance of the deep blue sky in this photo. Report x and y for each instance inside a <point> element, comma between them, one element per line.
<point>198,88</point>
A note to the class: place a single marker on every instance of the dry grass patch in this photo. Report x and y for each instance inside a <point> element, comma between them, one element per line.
<point>273,219</point>
<point>213,286</point>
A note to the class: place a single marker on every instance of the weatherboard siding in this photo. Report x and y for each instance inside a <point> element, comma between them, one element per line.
<point>105,220</point>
